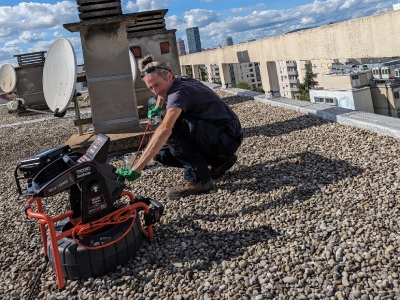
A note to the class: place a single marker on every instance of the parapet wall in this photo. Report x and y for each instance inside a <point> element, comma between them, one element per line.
<point>374,36</point>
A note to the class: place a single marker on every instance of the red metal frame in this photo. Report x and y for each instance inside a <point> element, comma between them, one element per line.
<point>45,219</point>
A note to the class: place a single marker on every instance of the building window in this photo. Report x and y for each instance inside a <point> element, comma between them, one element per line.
<point>325,100</point>
<point>354,77</point>
<point>136,51</point>
<point>164,46</point>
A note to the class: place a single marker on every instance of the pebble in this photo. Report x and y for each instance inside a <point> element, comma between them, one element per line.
<point>308,212</point>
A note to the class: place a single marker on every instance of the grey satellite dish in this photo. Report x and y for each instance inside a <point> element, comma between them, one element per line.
<point>8,78</point>
<point>133,65</point>
<point>59,76</point>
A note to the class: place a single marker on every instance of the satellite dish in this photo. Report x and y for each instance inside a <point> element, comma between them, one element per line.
<point>8,78</point>
<point>59,76</point>
<point>133,65</point>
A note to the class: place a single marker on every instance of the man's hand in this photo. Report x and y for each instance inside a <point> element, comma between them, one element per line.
<point>154,112</point>
<point>127,174</point>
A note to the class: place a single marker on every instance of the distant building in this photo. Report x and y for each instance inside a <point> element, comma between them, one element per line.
<point>228,41</point>
<point>193,38</point>
<point>246,72</point>
<point>288,77</point>
<point>181,46</point>
<point>349,91</point>
<point>360,91</point>
<point>396,6</point>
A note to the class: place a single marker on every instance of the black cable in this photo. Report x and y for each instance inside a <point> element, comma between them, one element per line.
<point>37,278</point>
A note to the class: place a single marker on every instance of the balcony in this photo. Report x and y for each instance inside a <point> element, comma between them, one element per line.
<point>291,64</point>
<point>292,72</point>
<point>294,89</point>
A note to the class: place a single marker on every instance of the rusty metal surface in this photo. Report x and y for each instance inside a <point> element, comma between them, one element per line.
<point>83,2</point>
<point>93,9</point>
<point>30,59</point>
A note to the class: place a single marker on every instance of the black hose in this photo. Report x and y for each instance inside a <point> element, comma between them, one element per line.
<point>37,278</point>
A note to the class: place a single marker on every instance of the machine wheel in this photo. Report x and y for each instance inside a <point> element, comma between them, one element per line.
<point>78,262</point>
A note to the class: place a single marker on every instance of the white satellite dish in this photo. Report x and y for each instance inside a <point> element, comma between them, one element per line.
<point>133,65</point>
<point>59,75</point>
<point>8,78</point>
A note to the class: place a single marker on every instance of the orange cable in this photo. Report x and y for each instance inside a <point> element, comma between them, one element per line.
<point>141,142</point>
<point>119,216</point>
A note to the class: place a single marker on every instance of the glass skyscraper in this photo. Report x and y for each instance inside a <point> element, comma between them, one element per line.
<point>193,38</point>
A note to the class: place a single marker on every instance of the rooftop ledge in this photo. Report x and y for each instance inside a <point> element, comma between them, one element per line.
<point>377,123</point>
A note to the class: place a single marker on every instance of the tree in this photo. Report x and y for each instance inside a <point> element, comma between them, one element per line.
<point>259,90</point>
<point>189,72</point>
<point>203,74</point>
<point>308,83</point>
<point>243,85</point>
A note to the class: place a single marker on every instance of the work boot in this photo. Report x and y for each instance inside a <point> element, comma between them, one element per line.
<point>190,188</point>
<point>217,172</point>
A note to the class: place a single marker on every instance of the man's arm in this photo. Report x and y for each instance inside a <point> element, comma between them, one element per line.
<point>159,138</point>
<point>160,101</point>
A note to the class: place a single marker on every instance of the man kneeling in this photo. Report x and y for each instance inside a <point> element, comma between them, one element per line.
<point>197,130</point>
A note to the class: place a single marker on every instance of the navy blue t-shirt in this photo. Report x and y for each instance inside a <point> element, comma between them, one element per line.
<point>200,102</point>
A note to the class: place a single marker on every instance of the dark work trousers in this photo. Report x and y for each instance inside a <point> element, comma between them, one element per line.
<point>194,145</point>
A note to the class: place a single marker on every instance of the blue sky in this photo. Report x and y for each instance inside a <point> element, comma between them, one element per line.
<point>33,26</point>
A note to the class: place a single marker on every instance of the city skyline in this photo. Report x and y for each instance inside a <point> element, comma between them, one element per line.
<point>34,26</point>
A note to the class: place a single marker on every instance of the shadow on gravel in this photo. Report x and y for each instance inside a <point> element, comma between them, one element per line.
<point>288,126</point>
<point>307,172</point>
<point>236,100</point>
<point>205,247</point>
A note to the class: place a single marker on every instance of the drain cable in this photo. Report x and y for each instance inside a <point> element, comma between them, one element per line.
<point>38,277</point>
<point>124,212</point>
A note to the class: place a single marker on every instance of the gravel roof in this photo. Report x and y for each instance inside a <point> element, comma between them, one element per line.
<point>310,210</point>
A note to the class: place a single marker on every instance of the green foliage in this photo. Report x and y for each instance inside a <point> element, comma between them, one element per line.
<point>259,90</point>
<point>244,86</point>
<point>203,74</point>
<point>308,83</point>
<point>189,72</point>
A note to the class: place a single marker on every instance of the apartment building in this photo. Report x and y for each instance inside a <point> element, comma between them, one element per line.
<point>288,77</point>
<point>349,90</point>
<point>360,91</point>
<point>247,72</point>
<point>386,96</point>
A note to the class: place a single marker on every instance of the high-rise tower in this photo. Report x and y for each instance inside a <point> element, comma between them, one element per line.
<point>228,41</point>
<point>181,46</point>
<point>193,38</point>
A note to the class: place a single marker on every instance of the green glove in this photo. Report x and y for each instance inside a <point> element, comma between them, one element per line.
<point>154,112</point>
<point>128,174</point>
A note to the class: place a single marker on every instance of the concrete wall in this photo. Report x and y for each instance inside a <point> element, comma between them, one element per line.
<point>29,86</point>
<point>340,40</point>
<point>150,44</point>
<point>363,100</point>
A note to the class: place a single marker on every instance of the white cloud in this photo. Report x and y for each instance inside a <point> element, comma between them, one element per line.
<point>34,16</point>
<point>143,5</point>
<point>26,37</point>
<point>200,17</point>
<point>306,21</point>
<point>242,9</point>
<point>6,54</point>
